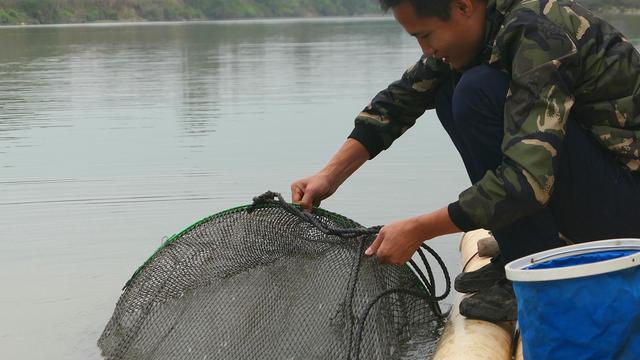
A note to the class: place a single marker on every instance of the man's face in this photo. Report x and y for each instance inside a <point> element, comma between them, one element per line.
<point>456,41</point>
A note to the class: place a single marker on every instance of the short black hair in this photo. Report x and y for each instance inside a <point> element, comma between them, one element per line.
<point>438,8</point>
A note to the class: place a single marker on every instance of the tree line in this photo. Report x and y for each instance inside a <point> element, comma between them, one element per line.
<point>619,5</point>
<point>74,11</point>
<point>77,11</point>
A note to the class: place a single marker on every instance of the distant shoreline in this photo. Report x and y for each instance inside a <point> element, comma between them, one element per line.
<point>623,11</point>
<point>373,16</point>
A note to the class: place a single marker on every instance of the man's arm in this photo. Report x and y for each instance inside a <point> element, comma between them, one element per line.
<point>544,67</point>
<point>395,109</point>
<point>396,242</point>
<point>391,112</point>
<point>311,190</point>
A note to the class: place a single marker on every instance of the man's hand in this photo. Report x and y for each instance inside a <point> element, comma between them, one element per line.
<point>396,242</point>
<point>310,191</point>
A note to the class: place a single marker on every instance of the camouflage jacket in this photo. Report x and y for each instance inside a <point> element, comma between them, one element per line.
<point>565,65</point>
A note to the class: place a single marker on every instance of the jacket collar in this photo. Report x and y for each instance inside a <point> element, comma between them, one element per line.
<point>496,12</point>
<point>494,19</point>
<point>502,6</point>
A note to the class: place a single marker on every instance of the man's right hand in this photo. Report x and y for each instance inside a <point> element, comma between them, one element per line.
<point>310,191</point>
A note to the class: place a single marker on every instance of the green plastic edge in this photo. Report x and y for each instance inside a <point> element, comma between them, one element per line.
<point>339,219</point>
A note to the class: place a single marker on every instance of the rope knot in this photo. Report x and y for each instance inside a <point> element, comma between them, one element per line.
<point>267,197</point>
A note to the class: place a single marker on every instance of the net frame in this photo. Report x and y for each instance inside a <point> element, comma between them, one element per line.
<point>423,291</point>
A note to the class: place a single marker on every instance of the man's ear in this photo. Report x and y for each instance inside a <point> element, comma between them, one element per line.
<point>463,7</point>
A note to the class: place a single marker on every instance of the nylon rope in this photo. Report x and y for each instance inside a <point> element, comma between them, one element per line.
<point>428,280</point>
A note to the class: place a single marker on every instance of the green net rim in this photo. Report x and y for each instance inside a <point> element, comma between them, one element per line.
<point>340,220</point>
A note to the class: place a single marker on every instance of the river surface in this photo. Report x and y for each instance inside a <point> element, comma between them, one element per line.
<point>113,137</point>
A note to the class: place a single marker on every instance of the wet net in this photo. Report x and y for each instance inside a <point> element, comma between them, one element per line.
<point>268,281</point>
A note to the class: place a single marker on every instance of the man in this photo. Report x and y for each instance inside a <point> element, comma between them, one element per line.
<point>542,100</point>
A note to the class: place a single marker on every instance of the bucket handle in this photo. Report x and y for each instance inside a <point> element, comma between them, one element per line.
<point>581,251</point>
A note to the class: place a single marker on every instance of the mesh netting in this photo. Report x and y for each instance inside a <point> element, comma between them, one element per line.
<point>268,284</point>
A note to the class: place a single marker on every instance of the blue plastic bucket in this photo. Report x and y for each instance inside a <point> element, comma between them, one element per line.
<point>580,301</point>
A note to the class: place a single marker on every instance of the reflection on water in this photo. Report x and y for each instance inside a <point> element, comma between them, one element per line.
<point>115,136</point>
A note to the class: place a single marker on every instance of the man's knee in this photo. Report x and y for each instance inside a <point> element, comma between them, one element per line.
<point>594,196</point>
<point>482,90</point>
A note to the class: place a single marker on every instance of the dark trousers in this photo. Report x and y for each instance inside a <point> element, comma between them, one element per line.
<point>594,197</point>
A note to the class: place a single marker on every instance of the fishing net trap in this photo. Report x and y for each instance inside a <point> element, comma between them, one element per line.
<point>269,281</point>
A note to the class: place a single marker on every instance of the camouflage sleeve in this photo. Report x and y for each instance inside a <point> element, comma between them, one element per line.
<point>543,62</point>
<point>395,109</point>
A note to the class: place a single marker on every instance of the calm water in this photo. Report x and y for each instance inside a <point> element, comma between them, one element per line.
<point>113,137</point>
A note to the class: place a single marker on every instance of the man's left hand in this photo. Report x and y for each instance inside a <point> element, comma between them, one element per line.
<point>396,242</point>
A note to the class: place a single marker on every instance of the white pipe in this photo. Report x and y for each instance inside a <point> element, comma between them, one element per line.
<point>465,339</point>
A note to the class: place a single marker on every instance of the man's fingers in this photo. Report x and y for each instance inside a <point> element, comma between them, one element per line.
<point>375,245</point>
<point>296,193</point>
<point>307,201</point>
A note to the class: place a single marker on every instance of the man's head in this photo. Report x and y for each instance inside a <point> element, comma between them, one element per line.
<point>423,8</point>
<point>452,30</point>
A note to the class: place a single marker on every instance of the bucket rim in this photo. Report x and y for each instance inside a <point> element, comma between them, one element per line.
<point>517,270</point>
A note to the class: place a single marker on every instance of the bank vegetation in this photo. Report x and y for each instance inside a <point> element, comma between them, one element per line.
<point>80,11</point>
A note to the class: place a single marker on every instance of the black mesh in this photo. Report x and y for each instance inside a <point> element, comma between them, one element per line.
<point>270,285</point>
